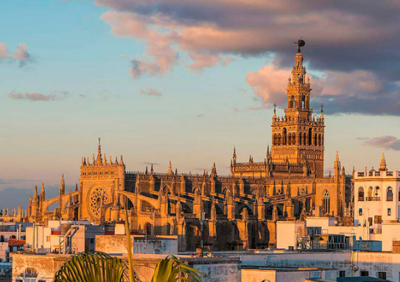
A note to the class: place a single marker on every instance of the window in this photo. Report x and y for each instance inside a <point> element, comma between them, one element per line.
<point>377,191</point>
<point>378,219</point>
<point>326,202</point>
<point>360,211</point>
<point>389,194</point>
<point>382,275</point>
<point>284,136</point>
<point>369,221</point>
<point>148,229</point>
<point>389,211</point>
<point>364,273</point>
<point>342,273</point>
<point>361,194</point>
<point>370,190</point>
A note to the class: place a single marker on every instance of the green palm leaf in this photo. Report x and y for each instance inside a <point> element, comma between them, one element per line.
<point>171,269</point>
<point>92,267</point>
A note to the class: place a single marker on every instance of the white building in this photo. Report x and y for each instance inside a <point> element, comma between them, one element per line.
<point>376,197</point>
<point>63,236</point>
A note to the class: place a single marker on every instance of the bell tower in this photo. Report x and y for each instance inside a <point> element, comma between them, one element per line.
<point>298,136</point>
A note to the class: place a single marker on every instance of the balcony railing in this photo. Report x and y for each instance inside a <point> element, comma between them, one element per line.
<point>389,198</point>
<point>373,199</point>
<point>361,199</point>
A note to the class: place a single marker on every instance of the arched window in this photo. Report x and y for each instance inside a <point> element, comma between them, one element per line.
<point>300,137</point>
<point>377,191</point>
<point>361,194</point>
<point>370,192</point>
<point>293,138</point>
<point>326,202</point>
<point>315,139</point>
<point>303,102</point>
<point>291,102</point>
<point>279,139</point>
<point>399,195</point>
<point>147,229</point>
<point>319,140</point>
<point>304,138</point>
<point>284,136</point>
<point>389,194</point>
<point>309,136</point>
<point>289,139</point>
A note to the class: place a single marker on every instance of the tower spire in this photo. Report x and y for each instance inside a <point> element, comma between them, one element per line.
<point>99,159</point>
<point>62,185</point>
<point>43,193</point>
<point>169,168</point>
<point>382,166</point>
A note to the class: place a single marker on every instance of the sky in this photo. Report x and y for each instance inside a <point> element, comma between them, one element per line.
<point>186,81</point>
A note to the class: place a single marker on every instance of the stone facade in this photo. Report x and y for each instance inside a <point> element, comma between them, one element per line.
<point>238,211</point>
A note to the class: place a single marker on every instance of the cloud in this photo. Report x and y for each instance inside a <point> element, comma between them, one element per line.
<point>218,28</point>
<point>21,54</point>
<point>358,57</point>
<point>201,115</point>
<point>35,96</point>
<point>354,92</point>
<point>386,142</point>
<point>150,92</point>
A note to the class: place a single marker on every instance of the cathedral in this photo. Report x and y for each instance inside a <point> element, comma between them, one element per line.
<point>232,212</point>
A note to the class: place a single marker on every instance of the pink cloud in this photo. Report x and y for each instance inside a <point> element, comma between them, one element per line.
<point>37,96</point>
<point>150,92</point>
<point>386,142</point>
<point>341,91</point>
<point>20,55</point>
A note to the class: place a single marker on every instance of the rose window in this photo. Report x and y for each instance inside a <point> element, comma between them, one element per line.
<point>98,198</point>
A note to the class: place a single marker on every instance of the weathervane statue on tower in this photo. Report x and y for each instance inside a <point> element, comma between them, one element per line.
<point>300,43</point>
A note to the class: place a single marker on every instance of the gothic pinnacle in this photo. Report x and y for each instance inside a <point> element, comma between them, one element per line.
<point>169,168</point>
<point>382,166</point>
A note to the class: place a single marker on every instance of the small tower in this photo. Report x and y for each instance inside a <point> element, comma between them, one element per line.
<point>35,197</point>
<point>42,193</point>
<point>62,185</point>
<point>382,166</point>
<point>214,170</point>
<point>99,159</point>
<point>169,168</point>
<point>337,165</point>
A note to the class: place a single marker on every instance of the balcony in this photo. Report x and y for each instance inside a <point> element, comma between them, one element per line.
<point>373,199</point>
<point>361,199</point>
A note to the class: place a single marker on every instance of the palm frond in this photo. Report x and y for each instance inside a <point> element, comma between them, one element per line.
<point>171,269</point>
<point>92,267</point>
